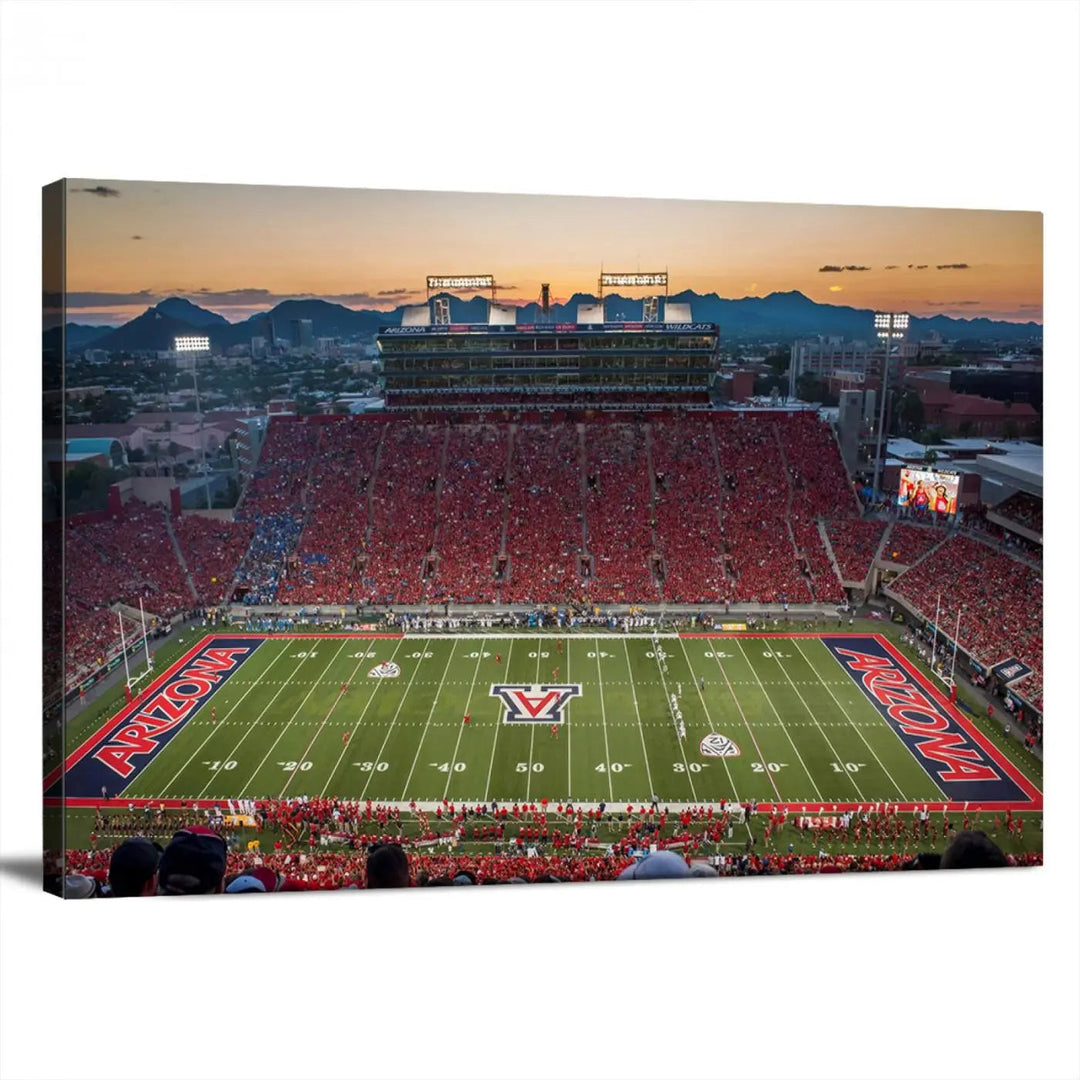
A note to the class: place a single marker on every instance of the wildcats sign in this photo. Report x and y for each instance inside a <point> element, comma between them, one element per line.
<point>959,766</point>
<point>144,728</point>
<point>529,703</point>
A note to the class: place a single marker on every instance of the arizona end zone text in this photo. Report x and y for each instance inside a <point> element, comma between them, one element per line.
<point>961,764</point>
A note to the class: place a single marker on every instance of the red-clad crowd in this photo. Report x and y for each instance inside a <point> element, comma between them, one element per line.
<point>544,523</point>
<point>754,512</point>
<point>328,564</point>
<point>1025,509</point>
<point>403,513</point>
<point>212,549</point>
<point>854,543</point>
<point>908,543</point>
<point>471,511</point>
<point>1001,599</point>
<point>617,514</point>
<point>687,507</point>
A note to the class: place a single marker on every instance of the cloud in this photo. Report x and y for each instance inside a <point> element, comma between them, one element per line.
<point>1030,307</point>
<point>836,288</point>
<point>397,292</point>
<point>922,267</point>
<point>136,238</point>
<point>101,190</point>
<point>830,269</point>
<point>253,298</point>
<point>893,266</point>
<point>953,303</point>
<point>856,267</point>
<point>109,299</point>
<point>953,266</point>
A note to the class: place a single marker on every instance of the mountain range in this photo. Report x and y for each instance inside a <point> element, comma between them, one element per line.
<point>780,315</point>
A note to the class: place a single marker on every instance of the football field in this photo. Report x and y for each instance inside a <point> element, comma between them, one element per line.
<point>801,719</point>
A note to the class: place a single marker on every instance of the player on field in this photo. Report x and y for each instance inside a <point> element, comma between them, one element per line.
<point>213,714</point>
<point>344,687</point>
<point>555,731</point>
<point>498,658</point>
<point>558,645</point>
<point>344,738</point>
<point>465,719</point>
<point>555,674</point>
<point>701,682</point>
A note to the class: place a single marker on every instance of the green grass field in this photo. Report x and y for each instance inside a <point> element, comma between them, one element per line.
<point>805,731</point>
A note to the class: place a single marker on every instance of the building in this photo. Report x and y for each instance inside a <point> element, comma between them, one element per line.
<point>428,363</point>
<point>303,334</point>
<point>825,357</point>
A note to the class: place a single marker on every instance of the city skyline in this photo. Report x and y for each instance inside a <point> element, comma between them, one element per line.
<point>240,249</point>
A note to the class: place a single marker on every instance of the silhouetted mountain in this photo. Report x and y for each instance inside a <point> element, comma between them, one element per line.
<point>76,336</point>
<point>781,315</point>
<point>178,308</point>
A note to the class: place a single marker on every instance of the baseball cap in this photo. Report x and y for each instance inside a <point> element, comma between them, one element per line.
<point>661,864</point>
<point>193,863</point>
<point>79,887</point>
<point>257,879</point>
<point>132,865</point>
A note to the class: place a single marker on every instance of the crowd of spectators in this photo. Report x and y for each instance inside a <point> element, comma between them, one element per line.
<point>1026,510</point>
<point>687,506</point>
<point>544,524</point>
<point>403,513</point>
<point>854,543</point>
<point>908,543</point>
<point>328,564</point>
<point>212,548</point>
<point>618,512</point>
<point>754,515</point>
<point>1001,598</point>
<point>471,511</point>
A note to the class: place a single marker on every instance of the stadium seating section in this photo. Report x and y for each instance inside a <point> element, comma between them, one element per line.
<point>686,508</point>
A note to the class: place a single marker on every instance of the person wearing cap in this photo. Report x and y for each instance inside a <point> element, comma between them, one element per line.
<point>661,864</point>
<point>193,864</point>
<point>133,869</point>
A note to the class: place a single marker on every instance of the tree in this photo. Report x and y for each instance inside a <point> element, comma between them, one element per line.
<point>809,388</point>
<point>1012,431</point>
<point>930,458</point>
<point>910,413</point>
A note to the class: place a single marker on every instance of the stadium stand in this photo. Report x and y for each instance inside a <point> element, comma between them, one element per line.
<point>855,543</point>
<point>1001,597</point>
<point>908,543</point>
<point>1024,509</point>
<point>212,549</point>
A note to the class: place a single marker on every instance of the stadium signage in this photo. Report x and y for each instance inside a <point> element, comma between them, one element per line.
<point>1011,671</point>
<point>529,703</point>
<point>550,328</point>
<point>937,739</point>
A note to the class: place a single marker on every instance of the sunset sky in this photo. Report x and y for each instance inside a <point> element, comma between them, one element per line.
<point>241,249</point>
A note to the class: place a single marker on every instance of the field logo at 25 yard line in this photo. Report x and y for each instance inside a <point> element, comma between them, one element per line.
<point>133,742</point>
<point>530,703</point>
<point>941,745</point>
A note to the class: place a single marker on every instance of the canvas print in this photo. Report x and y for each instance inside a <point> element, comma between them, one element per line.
<point>403,539</point>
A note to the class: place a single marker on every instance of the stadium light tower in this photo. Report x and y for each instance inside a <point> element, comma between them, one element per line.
<point>891,327</point>
<point>193,346</point>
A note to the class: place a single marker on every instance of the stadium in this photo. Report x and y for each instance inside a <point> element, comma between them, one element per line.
<point>555,609</point>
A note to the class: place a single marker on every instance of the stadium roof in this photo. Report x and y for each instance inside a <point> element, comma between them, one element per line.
<point>911,450</point>
<point>1018,469</point>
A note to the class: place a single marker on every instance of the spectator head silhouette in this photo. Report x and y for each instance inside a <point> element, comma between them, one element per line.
<point>971,850</point>
<point>133,869</point>
<point>660,864</point>
<point>387,867</point>
<point>193,864</point>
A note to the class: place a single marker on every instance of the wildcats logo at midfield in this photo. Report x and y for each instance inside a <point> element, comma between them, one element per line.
<point>145,727</point>
<point>957,763</point>
<point>529,703</point>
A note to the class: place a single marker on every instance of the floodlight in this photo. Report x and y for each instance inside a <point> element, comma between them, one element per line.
<point>635,280</point>
<point>191,344</point>
<point>465,281</point>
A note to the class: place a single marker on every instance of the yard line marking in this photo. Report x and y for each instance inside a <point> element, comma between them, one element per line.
<point>746,723</point>
<point>569,760</point>
<point>813,716</point>
<point>891,728</point>
<point>697,686</point>
<point>397,713</point>
<point>498,725</point>
<point>603,715</point>
<point>461,726</point>
<point>287,726</point>
<point>641,730</point>
<point>532,734</point>
<point>423,734</point>
<point>214,729</point>
<point>318,730</point>
<point>780,719</point>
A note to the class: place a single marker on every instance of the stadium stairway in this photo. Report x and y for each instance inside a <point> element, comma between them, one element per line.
<point>722,488</point>
<point>371,487</point>
<point>827,544</point>
<point>507,480</point>
<point>180,555</point>
<point>438,490</point>
<point>787,515</point>
<point>583,470</point>
<point>881,545</point>
<point>653,546</point>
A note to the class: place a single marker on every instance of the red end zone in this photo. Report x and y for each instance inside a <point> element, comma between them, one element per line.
<point>118,719</point>
<point>971,731</point>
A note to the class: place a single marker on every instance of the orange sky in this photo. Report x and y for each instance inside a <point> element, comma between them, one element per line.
<point>240,249</point>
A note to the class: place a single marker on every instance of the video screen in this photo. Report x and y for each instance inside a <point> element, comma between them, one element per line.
<point>928,491</point>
